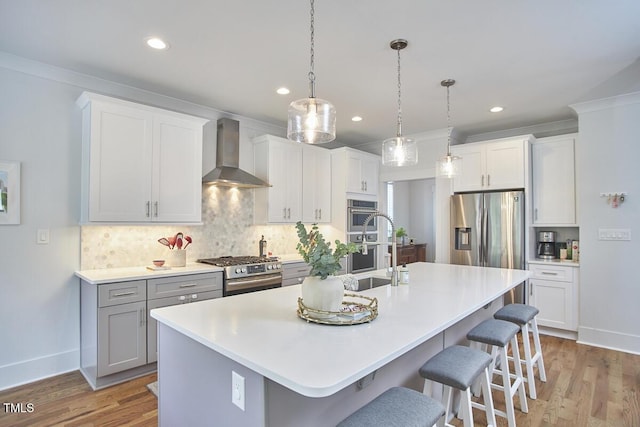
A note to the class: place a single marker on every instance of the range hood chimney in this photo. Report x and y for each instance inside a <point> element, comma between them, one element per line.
<point>227,173</point>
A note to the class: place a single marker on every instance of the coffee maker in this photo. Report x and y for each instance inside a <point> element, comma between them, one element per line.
<point>546,244</point>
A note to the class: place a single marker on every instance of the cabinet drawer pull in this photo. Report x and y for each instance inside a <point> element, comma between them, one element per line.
<point>188,285</point>
<point>124,294</point>
<point>549,273</point>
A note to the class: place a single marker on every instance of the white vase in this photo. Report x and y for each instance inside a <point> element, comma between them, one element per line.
<point>325,295</point>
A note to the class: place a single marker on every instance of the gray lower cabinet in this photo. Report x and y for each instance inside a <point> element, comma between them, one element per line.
<point>293,273</point>
<point>118,337</point>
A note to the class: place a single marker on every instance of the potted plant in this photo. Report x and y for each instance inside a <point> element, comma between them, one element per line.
<point>321,290</point>
<point>401,234</point>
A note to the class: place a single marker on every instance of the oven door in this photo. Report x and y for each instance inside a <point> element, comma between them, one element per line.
<point>359,263</point>
<point>252,284</point>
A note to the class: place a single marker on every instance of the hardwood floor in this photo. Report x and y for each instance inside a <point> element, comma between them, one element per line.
<point>586,386</point>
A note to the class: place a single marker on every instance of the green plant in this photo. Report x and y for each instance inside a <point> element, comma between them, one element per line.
<point>401,232</point>
<point>316,252</point>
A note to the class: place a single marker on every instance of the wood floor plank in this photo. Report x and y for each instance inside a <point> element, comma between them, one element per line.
<point>586,386</point>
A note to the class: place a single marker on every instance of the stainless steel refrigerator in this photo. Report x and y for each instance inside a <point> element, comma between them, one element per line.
<point>487,229</point>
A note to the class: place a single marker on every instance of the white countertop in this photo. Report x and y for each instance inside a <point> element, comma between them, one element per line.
<point>261,330</point>
<point>109,275</point>
<point>564,263</point>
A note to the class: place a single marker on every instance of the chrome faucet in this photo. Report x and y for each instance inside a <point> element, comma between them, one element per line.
<point>394,258</point>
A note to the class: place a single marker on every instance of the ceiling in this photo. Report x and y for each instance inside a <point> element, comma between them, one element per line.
<point>534,58</point>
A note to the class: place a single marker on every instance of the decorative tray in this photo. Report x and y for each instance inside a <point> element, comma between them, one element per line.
<point>362,310</point>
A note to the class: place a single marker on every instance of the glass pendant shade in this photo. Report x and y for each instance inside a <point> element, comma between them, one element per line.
<point>399,151</point>
<point>448,166</point>
<point>312,121</point>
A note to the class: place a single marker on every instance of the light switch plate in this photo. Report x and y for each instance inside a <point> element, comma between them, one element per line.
<point>623,234</point>
<point>42,237</point>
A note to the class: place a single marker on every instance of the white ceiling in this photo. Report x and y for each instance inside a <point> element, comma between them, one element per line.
<point>532,57</point>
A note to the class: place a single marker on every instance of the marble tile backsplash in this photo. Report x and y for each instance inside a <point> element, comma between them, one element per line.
<point>227,229</point>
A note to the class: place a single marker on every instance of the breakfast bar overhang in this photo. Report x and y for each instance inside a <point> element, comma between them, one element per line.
<point>300,373</point>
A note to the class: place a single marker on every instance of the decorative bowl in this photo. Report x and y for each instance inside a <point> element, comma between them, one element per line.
<point>158,262</point>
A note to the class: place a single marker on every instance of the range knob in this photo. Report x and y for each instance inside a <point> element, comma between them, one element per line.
<point>269,267</point>
<point>244,269</point>
<point>238,270</point>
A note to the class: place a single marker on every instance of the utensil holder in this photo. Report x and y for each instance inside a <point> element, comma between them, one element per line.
<point>177,258</point>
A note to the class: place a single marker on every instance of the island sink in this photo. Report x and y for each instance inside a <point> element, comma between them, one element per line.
<point>372,282</point>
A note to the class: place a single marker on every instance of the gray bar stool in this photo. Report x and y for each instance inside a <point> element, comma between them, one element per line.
<point>498,334</point>
<point>398,406</point>
<point>459,367</point>
<point>523,315</point>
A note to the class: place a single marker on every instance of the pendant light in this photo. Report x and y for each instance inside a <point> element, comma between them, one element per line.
<point>448,165</point>
<point>399,150</point>
<point>311,120</point>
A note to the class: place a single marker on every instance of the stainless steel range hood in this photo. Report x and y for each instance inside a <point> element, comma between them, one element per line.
<point>227,173</point>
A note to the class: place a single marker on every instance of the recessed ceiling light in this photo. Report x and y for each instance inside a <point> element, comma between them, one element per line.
<point>356,119</point>
<point>496,109</point>
<point>157,43</point>
<point>283,91</point>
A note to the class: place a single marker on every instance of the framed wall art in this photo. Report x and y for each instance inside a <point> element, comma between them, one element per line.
<point>9,192</point>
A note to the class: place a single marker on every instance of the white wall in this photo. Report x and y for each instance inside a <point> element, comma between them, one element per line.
<point>607,155</point>
<point>40,126</point>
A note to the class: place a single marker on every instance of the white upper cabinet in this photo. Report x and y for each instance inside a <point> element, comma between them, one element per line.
<point>554,200</point>
<point>316,184</point>
<point>362,172</point>
<point>139,163</point>
<point>491,165</point>
<point>279,162</point>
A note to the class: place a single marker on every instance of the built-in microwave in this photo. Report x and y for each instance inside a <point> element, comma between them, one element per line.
<point>357,213</point>
<point>359,263</point>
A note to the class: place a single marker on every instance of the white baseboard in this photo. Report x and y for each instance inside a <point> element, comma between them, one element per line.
<point>36,369</point>
<point>560,333</point>
<point>608,339</point>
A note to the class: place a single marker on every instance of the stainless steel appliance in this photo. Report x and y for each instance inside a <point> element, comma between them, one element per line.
<point>243,274</point>
<point>546,245</point>
<point>358,262</point>
<point>357,213</point>
<point>487,229</point>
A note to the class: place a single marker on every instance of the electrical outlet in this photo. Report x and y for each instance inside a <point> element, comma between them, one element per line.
<point>237,390</point>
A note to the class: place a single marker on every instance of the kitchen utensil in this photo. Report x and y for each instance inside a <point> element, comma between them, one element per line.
<point>164,241</point>
<point>179,240</point>
<point>172,242</point>
<point>188,240</point>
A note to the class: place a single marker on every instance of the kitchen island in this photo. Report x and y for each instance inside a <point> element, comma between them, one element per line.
<point>300,373</point>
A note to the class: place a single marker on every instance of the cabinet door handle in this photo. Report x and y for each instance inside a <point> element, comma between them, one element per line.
<point>148,209</point>
<point>319,213</point>
<point>365,186</point>
<point>531,289</point>
<point>284,213</point>
<point>155,209</point>
<point>536,214</point>
<point>488,180</point>
<point>482,181</point>
<point>288,213</point>
<point>187,285</point>
<point>124,294</point>
<point>143,316</point>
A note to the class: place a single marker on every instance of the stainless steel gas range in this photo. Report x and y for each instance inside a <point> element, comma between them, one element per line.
<point>243,274</point>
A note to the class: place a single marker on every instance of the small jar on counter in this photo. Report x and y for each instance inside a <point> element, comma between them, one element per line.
<point>404,274</point>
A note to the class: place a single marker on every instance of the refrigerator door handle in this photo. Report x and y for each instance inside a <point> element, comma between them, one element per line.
<point>483,236</point>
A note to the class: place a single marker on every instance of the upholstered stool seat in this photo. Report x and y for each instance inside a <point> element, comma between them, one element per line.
<point>497,334</point>
<point>459,367</point>
<point>525,315</point>
<point>397,406</point>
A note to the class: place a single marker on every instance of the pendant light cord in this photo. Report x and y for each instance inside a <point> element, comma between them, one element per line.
<point>312,76</point>
<point>448,124</point>
<point>399,99</point>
